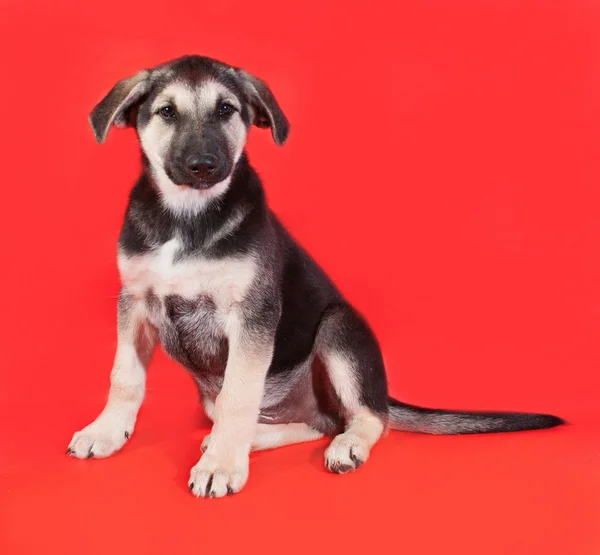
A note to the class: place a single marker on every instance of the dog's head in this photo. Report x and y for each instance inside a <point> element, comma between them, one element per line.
<point>192,116</point>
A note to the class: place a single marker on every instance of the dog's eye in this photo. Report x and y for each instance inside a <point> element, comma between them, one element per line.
<point>168,112</point>
<point>226,109</point>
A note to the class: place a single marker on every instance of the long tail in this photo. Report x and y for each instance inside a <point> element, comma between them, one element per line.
<point>409,418</point>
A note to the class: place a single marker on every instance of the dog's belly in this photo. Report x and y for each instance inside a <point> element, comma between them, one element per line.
<point>190,332</point>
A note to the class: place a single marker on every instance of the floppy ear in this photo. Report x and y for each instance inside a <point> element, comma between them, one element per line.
<point>267,112</point>
<point>114,108</point>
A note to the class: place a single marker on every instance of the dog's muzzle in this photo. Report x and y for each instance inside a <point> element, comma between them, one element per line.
<point>198,171</point>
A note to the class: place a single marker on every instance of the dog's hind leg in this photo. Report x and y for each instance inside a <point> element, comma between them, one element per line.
<point>271,436</point>
<point>354,366</point>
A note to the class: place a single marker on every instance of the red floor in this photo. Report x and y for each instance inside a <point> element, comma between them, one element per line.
<point>444,167</point>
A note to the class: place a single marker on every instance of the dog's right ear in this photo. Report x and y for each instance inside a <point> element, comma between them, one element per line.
<point>114,108</point>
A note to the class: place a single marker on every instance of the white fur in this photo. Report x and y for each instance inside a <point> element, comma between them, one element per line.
<point>342,373</point>
<point>226,281</point>
<point>271,436</point>
<point>209,408</point>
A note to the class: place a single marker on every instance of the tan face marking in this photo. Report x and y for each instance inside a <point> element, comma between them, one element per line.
<point>196,105</point>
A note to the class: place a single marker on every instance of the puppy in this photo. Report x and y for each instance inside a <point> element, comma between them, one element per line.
<point>279,356</point>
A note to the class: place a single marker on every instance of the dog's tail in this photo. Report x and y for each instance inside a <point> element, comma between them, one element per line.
<point>409,418</point>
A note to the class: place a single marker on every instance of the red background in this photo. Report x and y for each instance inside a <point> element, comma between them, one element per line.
<point>443,167</point>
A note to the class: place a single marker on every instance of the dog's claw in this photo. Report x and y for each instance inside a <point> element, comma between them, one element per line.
<point>355,459</point>
<point>126,435</point>
<point>229,490</point>
<point>191,486</point>
<point>90,454</point>
<point>68,451</point>
<point>209,486</point>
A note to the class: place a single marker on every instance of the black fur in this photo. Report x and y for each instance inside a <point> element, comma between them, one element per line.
<point>411,418</point>
<point>293,299</point>
<point>313,311</point>
<point>148,224</point>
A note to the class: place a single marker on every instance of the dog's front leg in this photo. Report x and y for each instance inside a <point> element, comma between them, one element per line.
<point>223,468</point>
<point>136,340</point>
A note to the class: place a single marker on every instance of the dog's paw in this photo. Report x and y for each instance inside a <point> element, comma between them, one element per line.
<point>100,439</point>
<point>216,476</point>
<point>346,453</point>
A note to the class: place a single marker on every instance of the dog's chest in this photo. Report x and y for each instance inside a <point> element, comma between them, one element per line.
<point>163,272</point>
<point>190,299</point>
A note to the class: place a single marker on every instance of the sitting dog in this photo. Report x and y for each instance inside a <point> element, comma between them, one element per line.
<point>279,356</point>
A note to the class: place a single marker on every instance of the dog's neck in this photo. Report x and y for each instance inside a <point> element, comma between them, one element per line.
<point>150,222</point>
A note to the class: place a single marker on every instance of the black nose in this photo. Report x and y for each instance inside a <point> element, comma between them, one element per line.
<point>200,165</point>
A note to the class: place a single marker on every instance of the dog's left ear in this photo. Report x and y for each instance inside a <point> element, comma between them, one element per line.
<point>267,112</point>
<point>115,107</point>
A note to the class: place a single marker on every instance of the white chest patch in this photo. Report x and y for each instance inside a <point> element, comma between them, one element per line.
<point>225,281</point>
